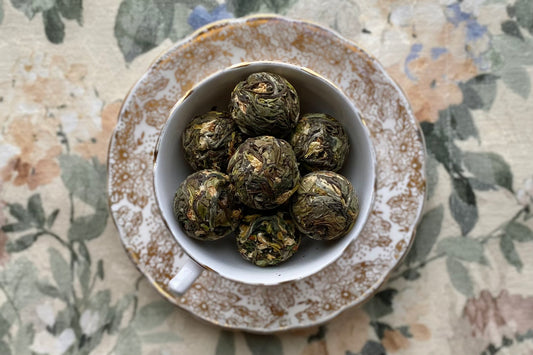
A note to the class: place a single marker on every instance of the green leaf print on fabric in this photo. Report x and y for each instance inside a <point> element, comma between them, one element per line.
<point>225,344</point>
<point>48,289</point>
<point>510,55</point>
<point>52,12</point>
<point>410,274</point>
<point>4,348</point>
<point>523,10</point>
<point>263,344</point>
<point>15,227</point>
<point>519,232</point>
<point>32,7</point>
<point>22,243</point>
<point>514,50</point>
<point>128,343</point>
<point>23,340</point>
<point>52,218</point>
<point>456,122</point>
<point>18,283</point>
<point>509,252</point>
<point>60,271</point>
<point>479,92</point>
<point>1,11</point>
<point>381,304</point>
<point>432,175</point>
<point>71,9</point>
<point>86,180</point>
<point>440,143</point>
<point>4,326</point>
<point>35,208</point>
<point>53,26</point>
<point>517,79</point>
<point>89,227</point>
<point>84,252</point>
<point>83,271</point>
<point>27,218</point>
<point>245,7</point>
<point>373,348</point>
<point>100,269</point>
<point>463,204</point>
<point>23,217</point>
<point>17,211</point>
<point>489,168</point>
<point>466,249</point>
<point>119,309</point>
<point>426,235</point>
<point>511,28</point>
<point>459,276</point>
<point>141,25</point>
<point>153,315</point>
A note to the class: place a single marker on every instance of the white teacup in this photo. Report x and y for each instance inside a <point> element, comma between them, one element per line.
<point>221,256</point>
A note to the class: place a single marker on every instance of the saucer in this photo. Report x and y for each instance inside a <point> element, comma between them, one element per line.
<point>400,186</point>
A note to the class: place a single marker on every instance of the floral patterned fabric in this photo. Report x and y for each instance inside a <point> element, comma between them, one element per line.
<point>66,284</point>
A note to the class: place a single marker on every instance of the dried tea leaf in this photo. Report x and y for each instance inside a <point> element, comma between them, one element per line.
<point>267,240</point>
<point>320,142</point>
<point>325,206</point>
<point>264,172</point>
<point>203,204</point>
<point>209,140</point>
<point>265,103</point>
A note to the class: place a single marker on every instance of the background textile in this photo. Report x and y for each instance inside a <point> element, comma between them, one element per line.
<point>66,284</point>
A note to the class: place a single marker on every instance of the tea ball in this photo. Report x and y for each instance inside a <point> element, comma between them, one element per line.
<point>203,204</point>
<point>320,142</point>
<point>267,240</point>
<point>265,103</point>
<point>209,140</point>
<point>325,206</point>
<point>264,172</point>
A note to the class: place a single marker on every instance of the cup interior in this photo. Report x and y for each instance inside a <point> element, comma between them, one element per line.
<point>316,95</point>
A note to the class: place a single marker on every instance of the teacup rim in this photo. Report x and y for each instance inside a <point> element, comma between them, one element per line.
<point>311,72</point>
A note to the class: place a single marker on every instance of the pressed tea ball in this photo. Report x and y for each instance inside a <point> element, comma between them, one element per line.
<point>264,172</point>
<point>209,140</point>
<point>265,103</point>
<point>320,142</point>
<point>203,204</point>
<point>325,206</point>
<point>267,240</point>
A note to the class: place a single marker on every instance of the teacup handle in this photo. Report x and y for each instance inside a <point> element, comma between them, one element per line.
<point>185,277</point>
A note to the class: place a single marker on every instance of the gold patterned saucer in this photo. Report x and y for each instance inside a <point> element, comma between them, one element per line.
<point>400,190</point>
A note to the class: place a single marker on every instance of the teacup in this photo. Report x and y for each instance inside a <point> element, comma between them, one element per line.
<point>316,94</point>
